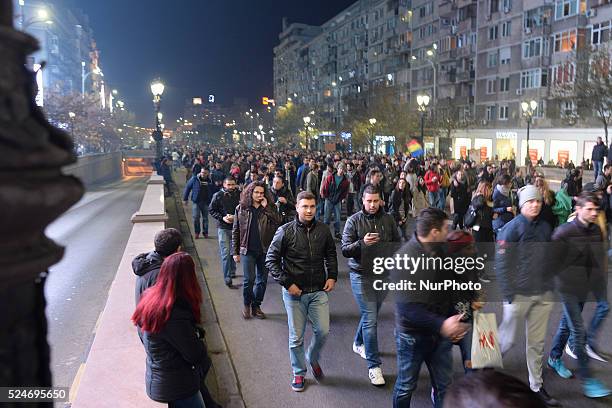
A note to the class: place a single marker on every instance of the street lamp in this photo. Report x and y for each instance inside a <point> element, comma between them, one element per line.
<point>72,115</point>
<point>42,16</point>
<point>431,53</point>
<point>423,102</point>
<point>529,109</point>
<point>157,89</point>
<point>306,120</point>
<point>372,123</point>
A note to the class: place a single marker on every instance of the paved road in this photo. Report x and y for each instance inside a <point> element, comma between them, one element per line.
<point>259,350</point>
<point>95,232</point>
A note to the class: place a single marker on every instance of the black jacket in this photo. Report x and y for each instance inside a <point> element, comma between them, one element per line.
<point>355,229</point>
<point>223,203</point>
<point>146,267</point>
<point>461,197</point>
<point>177,359</point>
<point>580,259</point>
<point>286,211</point>
<point>304,256</point>
<point>422,312</point>
<point>400,198</point>
<point>485,213</point>
<point>599,152</point>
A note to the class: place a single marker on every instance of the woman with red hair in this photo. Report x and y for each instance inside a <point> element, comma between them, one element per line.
<point>166,317</point>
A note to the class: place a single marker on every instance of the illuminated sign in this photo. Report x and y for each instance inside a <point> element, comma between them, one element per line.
<point>211,98</point>
<point>197,101</point>
<point>265,100</point>
<point>506,135</point>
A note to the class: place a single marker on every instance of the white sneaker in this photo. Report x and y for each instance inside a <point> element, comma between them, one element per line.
<point>376,377</point>
<point>593,354</point>
<point>359,350</point>
<point>570,352</point>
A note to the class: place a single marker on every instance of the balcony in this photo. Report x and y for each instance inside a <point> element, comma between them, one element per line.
<point>465,51</point>
<point>448,54</point>
<point>469,24</point>
<point>465,76</point>
<point>463,3</point>
<point>448,77</point>
<point>447,8</point>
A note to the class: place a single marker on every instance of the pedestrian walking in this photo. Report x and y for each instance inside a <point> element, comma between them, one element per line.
<point>201,188</point>
<point>255,222</point>
<point>302,259</point>
<point>460,198</point>
<point>600,151</point>
<point>222,208</point>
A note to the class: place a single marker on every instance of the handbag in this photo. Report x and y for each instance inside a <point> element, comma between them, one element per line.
<point>486,350</point>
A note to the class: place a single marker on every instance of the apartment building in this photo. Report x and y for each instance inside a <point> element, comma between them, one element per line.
<point>477,58</point>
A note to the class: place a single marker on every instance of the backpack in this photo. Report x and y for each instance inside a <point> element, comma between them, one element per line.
<point>445,182</point>
<point>471,217</point>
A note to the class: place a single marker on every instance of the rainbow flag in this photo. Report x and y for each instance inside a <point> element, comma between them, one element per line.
<point>414,148</point>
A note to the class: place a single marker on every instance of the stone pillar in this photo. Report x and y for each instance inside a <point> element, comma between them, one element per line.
<point>33,193</point>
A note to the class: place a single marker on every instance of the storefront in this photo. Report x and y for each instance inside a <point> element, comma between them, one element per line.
<point>506,145</point>
<point>462,147</point>
<point>536,150</point>
<point>384,144</point>
<point>563,151</point>
<point>485,146</point>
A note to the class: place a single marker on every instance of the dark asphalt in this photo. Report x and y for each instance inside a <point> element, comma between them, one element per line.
<point>259,349</point>
<point>95,232</point>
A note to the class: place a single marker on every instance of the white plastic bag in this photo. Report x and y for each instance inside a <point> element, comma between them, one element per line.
<point>486,350</point>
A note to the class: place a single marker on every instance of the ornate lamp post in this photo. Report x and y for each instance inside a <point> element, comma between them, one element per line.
<point>529,109</point>
<point>306,120</point>
<point>157,89</point>
<point>423,102</point>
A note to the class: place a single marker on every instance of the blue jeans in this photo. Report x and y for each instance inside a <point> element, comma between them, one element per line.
<point>412,351</point>
<point>255,278</point>
<point>329,207</point>
<point>597,165</point>
<point>369,302</point>
<point>195,401</point>
<point>442,199</point>
<point>465,346</point>
<point>309,306</point>
<point>433,198</point>
<point>571,322</point>
<point>228,266</point>
<point>601,312</point>
<point>320,209</point>
<point>200,211</point>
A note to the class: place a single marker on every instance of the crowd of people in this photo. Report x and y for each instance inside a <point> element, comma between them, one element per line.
<point>282,212</point>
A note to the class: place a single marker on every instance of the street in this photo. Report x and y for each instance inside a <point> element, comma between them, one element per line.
<point>95,232</point>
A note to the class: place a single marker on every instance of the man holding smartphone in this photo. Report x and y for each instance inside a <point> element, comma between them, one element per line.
<point>364,235</point>
<point>222,208</point>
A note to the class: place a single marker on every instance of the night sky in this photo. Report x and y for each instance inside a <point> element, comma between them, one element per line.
<point>197,48</point>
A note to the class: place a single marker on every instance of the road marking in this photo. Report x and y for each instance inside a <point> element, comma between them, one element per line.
<point>76,383</point>
<point>95,329</point>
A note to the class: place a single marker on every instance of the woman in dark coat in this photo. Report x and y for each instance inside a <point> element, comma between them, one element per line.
<point>483,205</point>
<point>461,198</point>
<point>166,316</point>
<point>502,202</point>
<point>401,199</point>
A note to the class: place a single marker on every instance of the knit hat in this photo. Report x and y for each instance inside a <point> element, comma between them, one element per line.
<point>528,193</point>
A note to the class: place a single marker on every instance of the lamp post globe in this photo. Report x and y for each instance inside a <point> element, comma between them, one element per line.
<point>157,89</point>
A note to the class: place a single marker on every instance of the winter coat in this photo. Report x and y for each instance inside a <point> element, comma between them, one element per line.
<point>461,197</point>
<point>269,220</point>
<point>400,198</point>
<point>177,359</point>
<point>332,192</point>
<point>484,212</point>
<point>522,260</point>
<point>599,152</point>
<point>201,190</point>
<point>146,267</point>
<point>355,229</point>
<point>500,204</point>
<point>302,255</point>
<point>223,203</point>
<point>432,186</point>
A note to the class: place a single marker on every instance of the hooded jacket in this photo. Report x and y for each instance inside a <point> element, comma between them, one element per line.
<point>223,203</point>
<point>146,267</point>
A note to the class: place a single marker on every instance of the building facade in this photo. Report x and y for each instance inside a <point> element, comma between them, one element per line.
<point>478,59</point>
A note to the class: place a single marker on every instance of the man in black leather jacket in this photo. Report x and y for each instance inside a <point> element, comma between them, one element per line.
<point>302,258</point>
<point>366,233</point>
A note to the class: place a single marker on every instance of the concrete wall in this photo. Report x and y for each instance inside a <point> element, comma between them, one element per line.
<point>97,168</point>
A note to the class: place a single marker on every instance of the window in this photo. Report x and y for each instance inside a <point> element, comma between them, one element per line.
<point>600,33</point>
<point>493,6</point>
<point>493,32</point>
<point>504,56</point>
<point>567,8</point>
<point>563,73</point>
<point>492,59</point>
<point>504,84</point>
<point>567,109</point>
<point>491,112</point>
<point>507,4</point>
<point>503,112</point>
<point>565,41</point>
<point>506,28</point>
<point>532,48</point>
<point>490,86</point>
<point>534,78</point>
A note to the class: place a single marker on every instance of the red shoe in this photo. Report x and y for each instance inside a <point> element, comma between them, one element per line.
<point>197,236</point>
